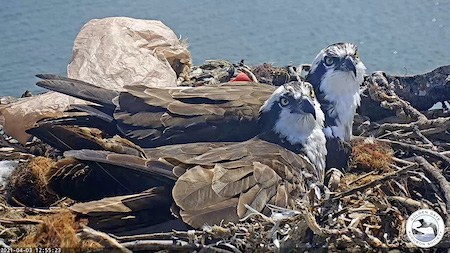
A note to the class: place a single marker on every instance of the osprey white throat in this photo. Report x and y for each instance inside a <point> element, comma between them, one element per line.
<point>337,74</point>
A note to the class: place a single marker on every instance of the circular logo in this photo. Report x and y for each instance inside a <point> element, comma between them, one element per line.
<point>425,228</point>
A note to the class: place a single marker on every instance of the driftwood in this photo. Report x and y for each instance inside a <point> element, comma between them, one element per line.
<point>369,207</point>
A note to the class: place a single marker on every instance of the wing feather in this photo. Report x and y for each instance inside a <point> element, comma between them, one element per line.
<point>229,183</point>
<point>224,211</point>
<point>264,173</point>
<point>193,189</point>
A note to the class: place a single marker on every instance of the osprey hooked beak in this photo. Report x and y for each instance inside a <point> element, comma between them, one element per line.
<point>304,106</point>
<point>348,65</point>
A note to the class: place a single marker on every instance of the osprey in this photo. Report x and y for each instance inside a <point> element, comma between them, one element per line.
<point>152,117</point>
<point>337,74</point>
<point>208,182</point>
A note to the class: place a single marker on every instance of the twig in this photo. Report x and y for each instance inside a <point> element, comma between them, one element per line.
<point>411,203</point>
<point>380,90</point>
<point>158,235</point>
<point>161,245</point>
<point>19,221</point>
<point>102,238</point>
<point>4,245</point>
<point>418,149</point>
<point>361,177</point>
<point>386,177</point>
<point>249,73</point>
<point>17,202</point>
<point>402,161</point>
<point>443,183</point>
<point>33,210</point>
<point>427,127</point>
<point>425,139</point>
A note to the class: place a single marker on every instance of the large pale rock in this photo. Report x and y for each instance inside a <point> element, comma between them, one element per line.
<point>21,115</point>
<point>113,52</point>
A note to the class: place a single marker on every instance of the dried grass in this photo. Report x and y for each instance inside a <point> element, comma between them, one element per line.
<point>371,155</point>
<point>58,231</point>
<point>27,184</point>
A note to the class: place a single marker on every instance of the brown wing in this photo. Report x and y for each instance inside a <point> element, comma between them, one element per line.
<point>213,181</point>
<point>92,175</point>
<point>152,117</point>
<point>224,180</point>
<point>123,214</point>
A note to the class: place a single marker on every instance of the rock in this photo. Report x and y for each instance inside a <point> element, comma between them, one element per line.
<point>118,51</point>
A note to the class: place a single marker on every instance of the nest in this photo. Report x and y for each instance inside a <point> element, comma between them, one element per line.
<point>400,163</point>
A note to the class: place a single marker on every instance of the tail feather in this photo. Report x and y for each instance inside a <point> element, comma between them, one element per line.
<point>78,89</point>
<point>129,213</point>
<point>91,175</point>
<point>68,133</point>
<point>101,113</point>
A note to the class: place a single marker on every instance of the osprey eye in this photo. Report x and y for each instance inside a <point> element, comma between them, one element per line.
<point>356,54</point>
<point>284,101</point>
<point>313,94</point>
<point>329,61</point>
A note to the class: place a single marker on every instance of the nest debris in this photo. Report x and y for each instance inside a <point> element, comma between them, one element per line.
<point>27,184</point>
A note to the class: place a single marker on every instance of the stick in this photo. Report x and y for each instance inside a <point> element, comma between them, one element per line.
<point>425,139</point>
<point>386,177</point>
<point>443,183</point>
<point>418,149</point>
<point>361,177</point>
<point>20,221</point>
<point>427,127</point>
<point>158,235</point>
<point>413,204</point>
<point>147,245</point>
<point>398,160</point>
<point>102,238</point>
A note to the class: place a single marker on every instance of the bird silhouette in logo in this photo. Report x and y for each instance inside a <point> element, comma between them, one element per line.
<point>424,224</point>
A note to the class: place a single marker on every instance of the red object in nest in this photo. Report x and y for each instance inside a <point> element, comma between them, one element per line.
<point>242,77</point>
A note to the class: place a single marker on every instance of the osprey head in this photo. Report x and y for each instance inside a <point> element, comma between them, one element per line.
<point>337,65</point>
<point>292,112</point>
<point>293,117</point>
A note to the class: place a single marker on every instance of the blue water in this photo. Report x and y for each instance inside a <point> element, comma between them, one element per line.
<point>399,37</point>
<point>425,237</point>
